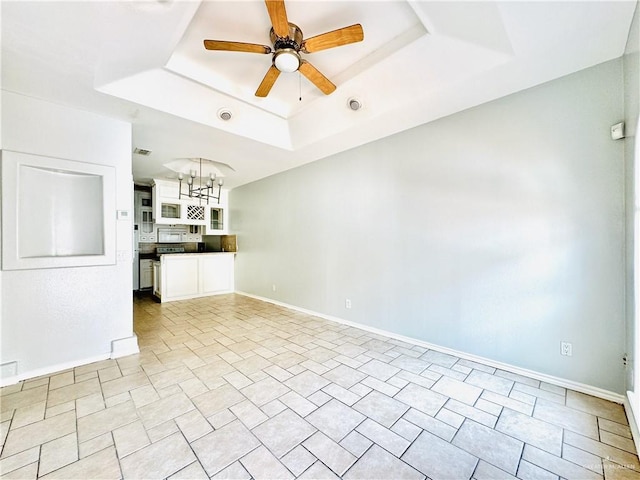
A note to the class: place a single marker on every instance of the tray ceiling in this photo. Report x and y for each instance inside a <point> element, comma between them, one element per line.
<point>145,62</point>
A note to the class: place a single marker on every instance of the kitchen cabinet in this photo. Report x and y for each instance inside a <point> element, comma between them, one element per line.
<point>141,199</point>
<point>169,211</point>
<point>216,221</point>
<point>194,233</point>
<point>146,273</point>
<point>146,227</point>
<point>216,273</point>
<point>143,217</point>
<point>181,277</point>
<point>191,275</point>
<point>171,208</point>
<point>180,212</point>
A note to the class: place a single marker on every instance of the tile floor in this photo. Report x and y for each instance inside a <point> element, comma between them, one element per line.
<point>231,387</point>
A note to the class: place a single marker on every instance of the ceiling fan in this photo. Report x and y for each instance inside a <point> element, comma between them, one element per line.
<point>288,44</point>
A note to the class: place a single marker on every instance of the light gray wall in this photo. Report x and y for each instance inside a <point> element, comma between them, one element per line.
<point>497,231</point>
<point>631,62</point>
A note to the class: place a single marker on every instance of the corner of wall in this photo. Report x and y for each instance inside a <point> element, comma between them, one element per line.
<point>124,346</point>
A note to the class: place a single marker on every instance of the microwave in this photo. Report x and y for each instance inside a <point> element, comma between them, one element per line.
<point>172,235</point>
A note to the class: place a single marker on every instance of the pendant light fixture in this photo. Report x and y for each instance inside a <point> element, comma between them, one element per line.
<point>201,192</point>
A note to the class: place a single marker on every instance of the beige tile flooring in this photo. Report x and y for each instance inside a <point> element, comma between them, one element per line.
<point>232,387</point>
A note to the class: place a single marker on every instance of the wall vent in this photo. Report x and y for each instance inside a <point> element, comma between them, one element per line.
<point>142,151</point>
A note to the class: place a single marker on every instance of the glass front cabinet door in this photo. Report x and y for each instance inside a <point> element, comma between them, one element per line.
<point>170,211</point>
<point>216,221</point>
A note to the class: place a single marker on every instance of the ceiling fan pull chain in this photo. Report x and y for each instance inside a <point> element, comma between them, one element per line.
<point>300,85</point>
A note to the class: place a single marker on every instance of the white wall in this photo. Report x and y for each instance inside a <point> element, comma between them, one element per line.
<point>61,317</point>
<point>497,231</point>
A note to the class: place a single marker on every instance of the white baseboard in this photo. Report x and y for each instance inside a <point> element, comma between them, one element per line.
<point>119,348</point>
<point>632,416</point>
<point>50,370</point>
<point>561,382</point>
<point>124,346</point>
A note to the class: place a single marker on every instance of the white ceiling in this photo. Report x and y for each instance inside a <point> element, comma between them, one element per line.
<point>144,62</point>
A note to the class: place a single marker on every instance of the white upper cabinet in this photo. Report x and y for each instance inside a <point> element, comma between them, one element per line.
<point>172,207</point>
<point>217,220</point>
<point>144,216</point>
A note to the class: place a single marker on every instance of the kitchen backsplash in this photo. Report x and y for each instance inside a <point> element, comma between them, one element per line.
<point>228,243</point>
<point>214,243</point>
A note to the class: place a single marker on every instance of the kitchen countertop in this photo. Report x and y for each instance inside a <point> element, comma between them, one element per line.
<point>194,254</point>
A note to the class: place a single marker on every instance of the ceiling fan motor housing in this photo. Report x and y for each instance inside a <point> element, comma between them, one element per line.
<point>286,57</point>
<point>293,40</point>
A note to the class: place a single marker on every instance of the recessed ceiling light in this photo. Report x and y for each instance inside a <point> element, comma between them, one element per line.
<point>224,114</point>
<point>354,104</point>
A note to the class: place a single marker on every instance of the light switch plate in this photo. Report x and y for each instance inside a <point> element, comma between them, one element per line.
<point>123,214</point>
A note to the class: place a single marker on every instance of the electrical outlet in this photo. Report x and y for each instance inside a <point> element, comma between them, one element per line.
<point>273,287</point>
<point>566,349</point>
<point>347,303</point>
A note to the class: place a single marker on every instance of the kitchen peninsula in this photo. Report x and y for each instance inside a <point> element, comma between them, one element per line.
<point>186,231</point>
<point>191,275</point>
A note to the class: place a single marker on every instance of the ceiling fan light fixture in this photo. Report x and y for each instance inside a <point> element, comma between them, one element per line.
<point>286,60</point>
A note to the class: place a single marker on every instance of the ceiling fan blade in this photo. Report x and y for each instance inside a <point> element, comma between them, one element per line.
<point>267,82</point>
<point>278,15</point>
<point>236,46</point>
<point>317,78</point>
<point>335,38</point>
